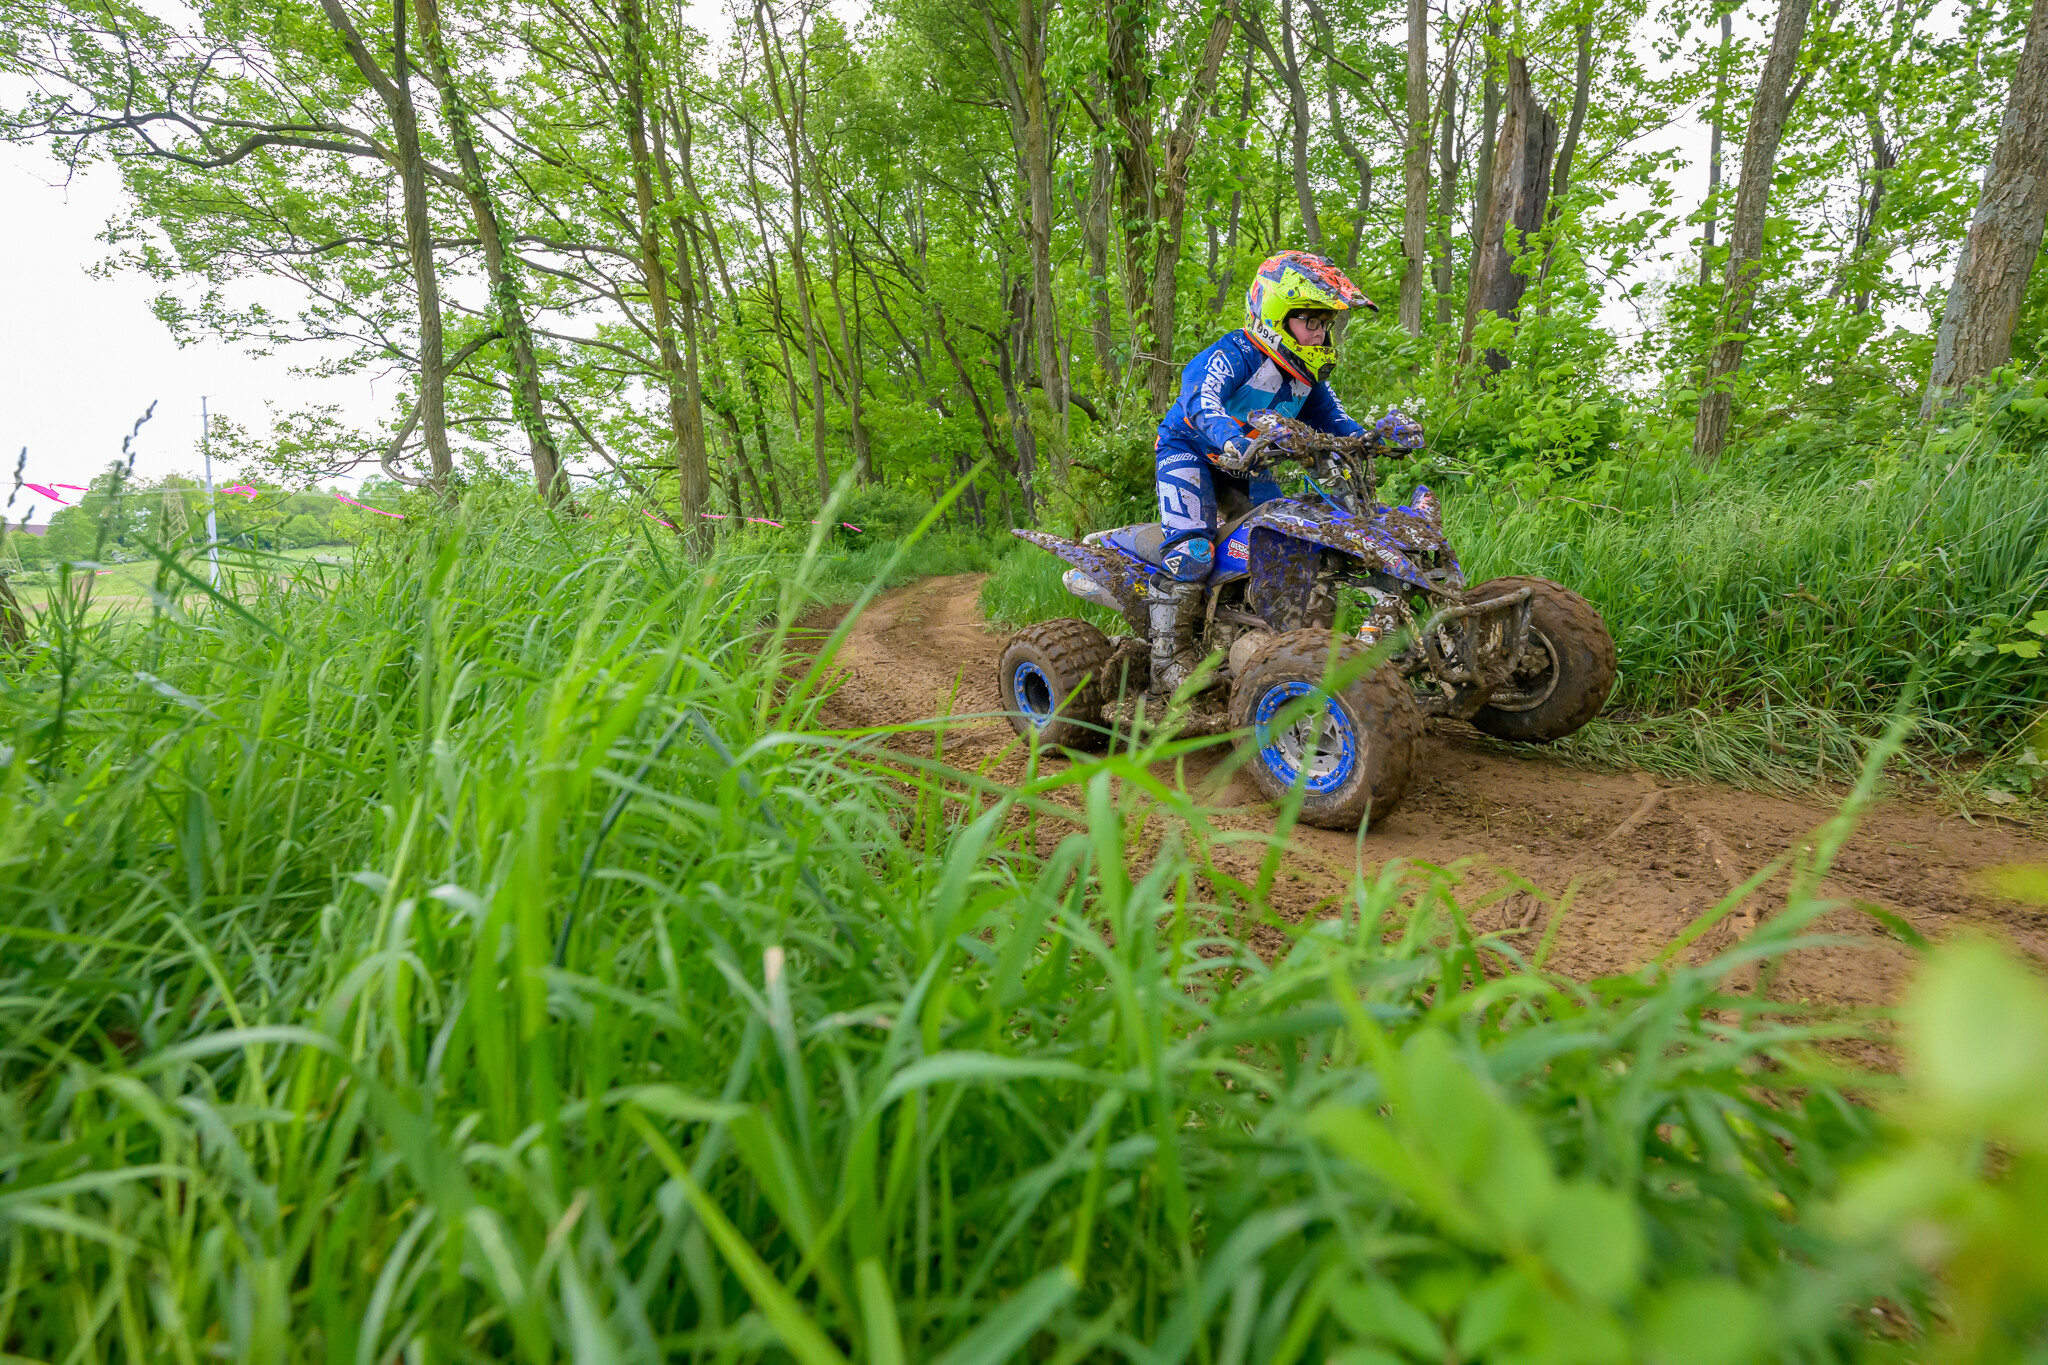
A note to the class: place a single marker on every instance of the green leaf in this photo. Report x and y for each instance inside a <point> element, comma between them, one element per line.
<point>1375,1310</point>
<point>1976,1034</point>
<point>1592,1236</point>
<point>1706,1322</point>
<point>1003,1333</point>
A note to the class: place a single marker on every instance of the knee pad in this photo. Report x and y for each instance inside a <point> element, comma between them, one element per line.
<point>1189,561</point>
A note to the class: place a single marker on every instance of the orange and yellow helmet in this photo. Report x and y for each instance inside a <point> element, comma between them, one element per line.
<point>1298,281</point>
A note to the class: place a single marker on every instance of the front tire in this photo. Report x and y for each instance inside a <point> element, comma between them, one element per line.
<point>1050,677</point>
<point>1565,672</point>
<point>1358,751</point>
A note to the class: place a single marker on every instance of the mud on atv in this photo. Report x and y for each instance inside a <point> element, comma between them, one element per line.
<point>1521,658</point>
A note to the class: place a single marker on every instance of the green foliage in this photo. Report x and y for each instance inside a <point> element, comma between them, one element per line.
<point>514,984</point>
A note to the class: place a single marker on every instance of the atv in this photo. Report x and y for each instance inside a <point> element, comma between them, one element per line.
<point>1521,658</point>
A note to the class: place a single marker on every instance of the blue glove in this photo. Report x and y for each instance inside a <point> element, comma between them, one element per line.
<point>1398,433</point>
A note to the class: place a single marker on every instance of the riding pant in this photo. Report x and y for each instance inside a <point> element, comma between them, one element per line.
<point>1188,485</point>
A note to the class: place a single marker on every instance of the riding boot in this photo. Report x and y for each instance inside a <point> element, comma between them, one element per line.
<point>1170,610</point>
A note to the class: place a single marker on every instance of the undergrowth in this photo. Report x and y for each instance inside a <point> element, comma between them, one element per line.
<point>388,974</point>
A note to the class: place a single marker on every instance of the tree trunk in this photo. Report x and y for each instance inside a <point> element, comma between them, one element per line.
<point>1714,155</point>
<point>693,464</point>
<point>1482,189</point>
<point>2005,233</point>
<point>1361,161</point>
<point>685,401</point>
<point>1561,178</point>
<point>1013,398</point>
<point>1767,116</point>
<point>506,298</point>
<point>1882,160</point>
<point>1288,68</point>
<point>1521,191</point>
<point>395,90</point>
<point>1447,185</point>
<point>1164,380</point>
<point>791,118</point>
<point>708,238</point>
<point>1095,237</point>
<point>1130,100</point>
<point>1227,276</point>
<point>796,424</point>
<point>1023,75</point>
<point>1415,170</point>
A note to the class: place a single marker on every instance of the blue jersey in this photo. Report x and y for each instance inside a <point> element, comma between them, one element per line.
<point>1233,379</point>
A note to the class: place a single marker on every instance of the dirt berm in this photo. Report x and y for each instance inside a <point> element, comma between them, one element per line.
<point>1647,856</point>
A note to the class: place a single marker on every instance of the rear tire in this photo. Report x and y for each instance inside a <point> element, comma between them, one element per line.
<point>1364,748</point>
<point>1566,670</point>
<point>1050,677</point>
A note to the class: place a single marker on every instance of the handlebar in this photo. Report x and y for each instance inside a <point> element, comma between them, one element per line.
<point>1290,438</point>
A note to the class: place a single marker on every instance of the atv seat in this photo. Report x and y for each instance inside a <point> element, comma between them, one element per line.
<point>1147,540</point>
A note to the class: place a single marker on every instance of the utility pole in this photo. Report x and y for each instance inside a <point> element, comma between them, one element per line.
<point>206,457</point>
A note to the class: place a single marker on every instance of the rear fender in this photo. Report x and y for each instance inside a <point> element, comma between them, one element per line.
<point>1114,572</point>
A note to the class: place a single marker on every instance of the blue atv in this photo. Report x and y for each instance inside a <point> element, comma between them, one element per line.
<point>1520,658</point>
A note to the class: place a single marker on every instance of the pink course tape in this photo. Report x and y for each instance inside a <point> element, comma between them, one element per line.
<point>49,493</point>
<point>395,516</point>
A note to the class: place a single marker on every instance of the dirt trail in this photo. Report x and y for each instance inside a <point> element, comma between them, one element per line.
<point>1647,857</point>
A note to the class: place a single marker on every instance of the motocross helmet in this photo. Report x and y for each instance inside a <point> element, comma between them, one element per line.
<point>1292,281</point>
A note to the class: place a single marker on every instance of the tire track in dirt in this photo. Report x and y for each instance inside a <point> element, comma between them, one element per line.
<point>1647,858</point>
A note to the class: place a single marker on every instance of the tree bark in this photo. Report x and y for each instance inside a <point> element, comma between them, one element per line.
<point>395,91</point>
<point>1714,155</point>
<point>1767,116</point>
<point>506,299</point>
<point>1288,69</point>
<point>1023,77</point>
<point>1447,185</point>
<point>1180,146</point>
<point>1361,161</point>
<point>1021,431</point>
<point>2004,238</point>
<point>1095,238</point>
<point>1521,191</point>
<point>1415,170</point>
<point>791,118</point>
<point>685,402</point>
<point>1482,189</point>
<point>693,458</point>
<point>1227,276</point>
<point>1561,177</point>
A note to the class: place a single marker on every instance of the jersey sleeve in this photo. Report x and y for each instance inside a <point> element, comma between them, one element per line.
<point>1208,388</point>
<point>1322,411</point>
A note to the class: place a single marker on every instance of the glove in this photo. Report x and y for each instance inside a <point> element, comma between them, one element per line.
<point>1398,433</point>
<point>1236,457</point>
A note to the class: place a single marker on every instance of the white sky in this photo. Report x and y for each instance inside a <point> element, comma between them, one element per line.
<point>81,358</point>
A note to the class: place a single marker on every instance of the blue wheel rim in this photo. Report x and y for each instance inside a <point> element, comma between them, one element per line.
<point>1328,734</point>
<point>1034,694</point>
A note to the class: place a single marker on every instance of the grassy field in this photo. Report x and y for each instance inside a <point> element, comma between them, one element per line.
<point>126,587</point>
<point>488,957</point>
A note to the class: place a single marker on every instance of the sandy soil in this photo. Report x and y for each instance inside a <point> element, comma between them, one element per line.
<point>1646,858</point>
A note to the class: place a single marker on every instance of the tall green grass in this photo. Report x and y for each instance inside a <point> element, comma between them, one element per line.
<point>485,955</point>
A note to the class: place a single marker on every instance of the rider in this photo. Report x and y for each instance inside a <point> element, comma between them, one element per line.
<point>1280,360</point>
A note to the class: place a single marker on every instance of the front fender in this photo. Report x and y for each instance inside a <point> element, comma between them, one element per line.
<point>1118,574</point>
<point>1350,535</point>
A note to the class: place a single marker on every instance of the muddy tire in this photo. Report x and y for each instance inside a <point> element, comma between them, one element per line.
<point>1369,734</point>
<point>1565,673</point>
<point>1051,681</point>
